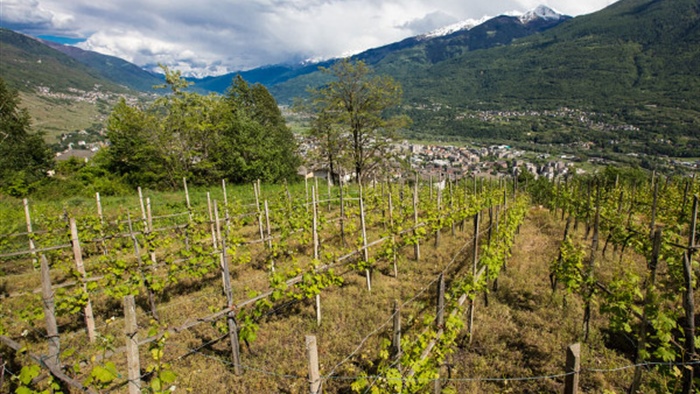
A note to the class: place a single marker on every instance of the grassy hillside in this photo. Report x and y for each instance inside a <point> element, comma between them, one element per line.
<point>27,63</point>
<point>54,117</point>
<point>641,52</point>
<point>112,68</point>
<point>62,94</point>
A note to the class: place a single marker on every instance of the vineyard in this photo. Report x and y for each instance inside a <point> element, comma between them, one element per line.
<point>456,286</point>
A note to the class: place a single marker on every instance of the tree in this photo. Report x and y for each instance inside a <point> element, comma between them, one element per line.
<point>256,142</point>
<point>132,153</point>
<point>24,157</point>
<point>187,131</point>
<point>330,143</point>
<point>240,137</point>
<point>356,102</point>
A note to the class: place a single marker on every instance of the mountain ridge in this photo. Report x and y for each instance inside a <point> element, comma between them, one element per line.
<point>111,67</point>
<point>497,31</point>
<point>27,64</point>
<point>539,19</point>
<point>637,61</point>
<point>120,72</point>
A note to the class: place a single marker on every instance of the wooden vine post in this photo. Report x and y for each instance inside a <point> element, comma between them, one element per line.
<point>465,198</point>
<point>48,304</point>
<point>573,368</point>
<point>452,207</point>
<point>505,223</point>
<point>396,337</point>
<point>318,191</point>
<point>312,355</point>
<point>28,219</point>
<point>649,294</point>
<point>257,208</point>
<point>314,230</point>
<point>132,345</point>
<point>560,257</point>
<point>475,262</point>
<point>330,183</point>
<point>78,254</point>
<point>288,194</point>
<point>489,234</point>
<point>267,226</point>
<point>149,230</point>
<point>316,249</point>
<point>342,214</point>
<point>591,267</point>
<point>187,195</point>
<point>212,228</point>
<point>495,229</point>
<point>231,315</point>
<point>689,184</point>
<point>223,188</point>
<point>217,239</point>
<point>439,216</point>
<point>558,199</point>
<point>98,202</point>
<point>306,188</point>
<point>381,204</point>
<point>588,210</point>
<point>416,247</point>
<point>440,319</point>
<point>654,204</point>
<point>689,303</point>
<point>393,237</point>
<point>143,209</point>
<point>365,251</point>
<point>137,252</point>
<point>620,205</point>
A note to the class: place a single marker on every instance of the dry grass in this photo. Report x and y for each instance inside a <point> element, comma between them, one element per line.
<point>54,119</point>
<point>525,330</point>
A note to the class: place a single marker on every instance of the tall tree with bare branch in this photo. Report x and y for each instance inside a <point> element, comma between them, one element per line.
<point>354,106</point>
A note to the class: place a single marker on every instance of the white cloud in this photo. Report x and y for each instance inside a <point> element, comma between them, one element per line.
<point>218,36</point>
<point>26,14</point>
<point>29,11</point>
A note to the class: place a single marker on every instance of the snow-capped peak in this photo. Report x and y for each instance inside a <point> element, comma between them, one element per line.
<point>462,25</point>
<point>541,12</point>
<point>314,60</point>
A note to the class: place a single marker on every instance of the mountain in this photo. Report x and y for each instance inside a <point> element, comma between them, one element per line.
<point>439,45</point>
<point>646,47</point>
<point>540,12</point>
<point>111,68</point>
<point>268,76</point>
<point>27,63</point>
<point>66,89</point>
<point>453,41</point>
<point>633,68</point>
<point>637,62</point>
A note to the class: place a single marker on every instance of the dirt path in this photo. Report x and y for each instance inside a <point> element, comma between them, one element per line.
<point>524,330</point>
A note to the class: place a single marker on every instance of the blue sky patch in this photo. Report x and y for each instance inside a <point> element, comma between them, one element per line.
<point>62,40</point>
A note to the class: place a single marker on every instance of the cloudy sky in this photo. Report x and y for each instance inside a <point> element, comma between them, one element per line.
<point>209,37</point>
